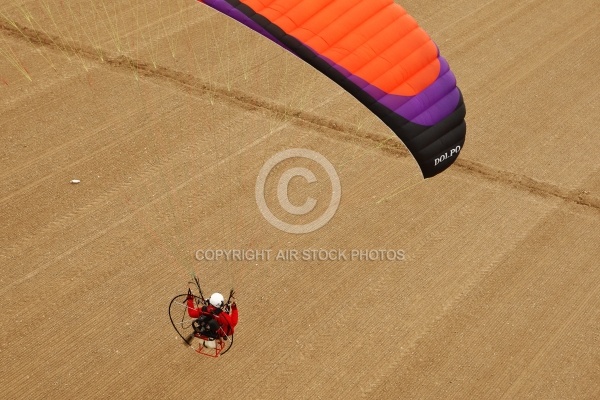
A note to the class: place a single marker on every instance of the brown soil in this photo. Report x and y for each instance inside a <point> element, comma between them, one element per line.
<point>167,111</point>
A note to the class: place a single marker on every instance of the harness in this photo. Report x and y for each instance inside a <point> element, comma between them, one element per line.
<point>207,324</point>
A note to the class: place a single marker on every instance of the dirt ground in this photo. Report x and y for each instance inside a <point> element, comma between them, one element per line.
<point>167,110</point>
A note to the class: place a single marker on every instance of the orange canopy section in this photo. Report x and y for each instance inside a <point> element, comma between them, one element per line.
<point>350,33</point>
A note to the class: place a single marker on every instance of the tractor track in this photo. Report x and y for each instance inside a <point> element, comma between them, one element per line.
<point>247,101</point>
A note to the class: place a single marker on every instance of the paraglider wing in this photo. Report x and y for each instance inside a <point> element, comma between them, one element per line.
<point>379,54</point>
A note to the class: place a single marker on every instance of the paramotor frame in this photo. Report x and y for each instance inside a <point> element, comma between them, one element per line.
<point>183,324</point>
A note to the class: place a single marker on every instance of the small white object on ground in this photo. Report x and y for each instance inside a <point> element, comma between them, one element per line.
<point>75,181</point>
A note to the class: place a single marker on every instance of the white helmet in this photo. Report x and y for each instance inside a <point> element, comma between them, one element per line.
<point>217,300</point>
